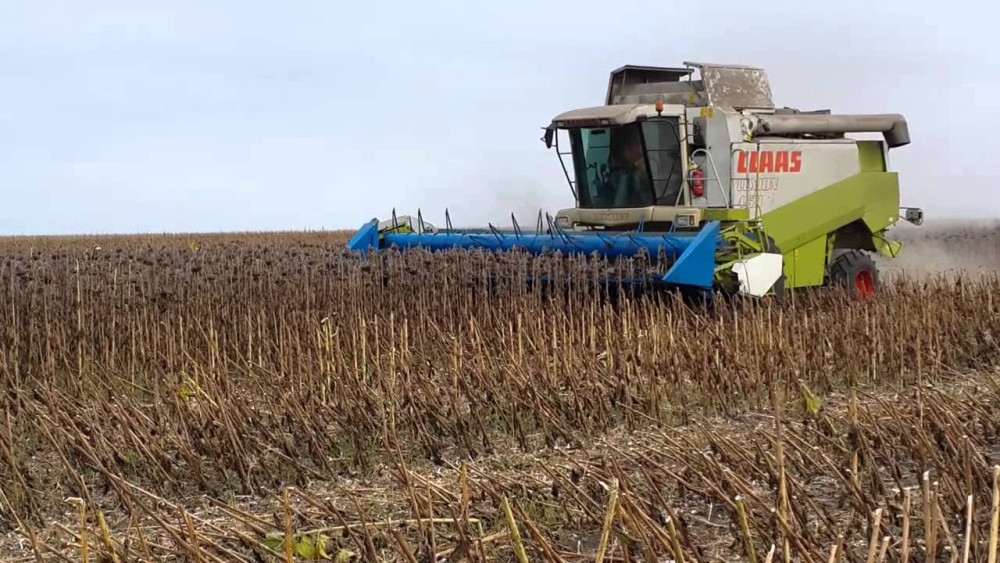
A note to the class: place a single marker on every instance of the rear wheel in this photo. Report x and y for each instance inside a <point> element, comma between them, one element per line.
<point>856,271</point>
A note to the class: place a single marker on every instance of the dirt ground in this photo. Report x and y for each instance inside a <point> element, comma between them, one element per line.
<point>945,247</point>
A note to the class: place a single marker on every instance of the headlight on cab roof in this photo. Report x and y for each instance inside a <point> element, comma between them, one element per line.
<point>562,222</point>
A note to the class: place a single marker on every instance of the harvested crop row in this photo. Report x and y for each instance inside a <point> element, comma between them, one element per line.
<point>871,477</point>
<point>238,369</point>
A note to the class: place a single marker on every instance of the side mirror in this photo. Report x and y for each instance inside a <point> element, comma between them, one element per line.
<point>914,215</point>
<point>549,133</point>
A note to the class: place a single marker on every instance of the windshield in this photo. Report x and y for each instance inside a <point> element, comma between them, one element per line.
<point>634,165</point>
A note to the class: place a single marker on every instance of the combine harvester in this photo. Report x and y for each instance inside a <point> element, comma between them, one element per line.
<point>724,191</point>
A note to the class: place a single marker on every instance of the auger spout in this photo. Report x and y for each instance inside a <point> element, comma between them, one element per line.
<point>693,255</point>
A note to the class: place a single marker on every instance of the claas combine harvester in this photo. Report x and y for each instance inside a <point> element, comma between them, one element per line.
<point>727,192</point>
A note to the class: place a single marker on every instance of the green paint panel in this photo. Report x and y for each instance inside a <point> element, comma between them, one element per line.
<point>871,197</point>
<point>870,156</point>
<point>726,214</point>
<point>806,265</point>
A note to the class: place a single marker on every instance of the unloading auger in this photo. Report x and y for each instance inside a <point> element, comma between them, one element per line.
<point>726,191</point>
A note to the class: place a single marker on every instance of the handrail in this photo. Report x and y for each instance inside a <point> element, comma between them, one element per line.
<point>715,170</point>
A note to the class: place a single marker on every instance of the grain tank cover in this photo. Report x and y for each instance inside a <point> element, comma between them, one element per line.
<point>733,86</point>
<point>634,84</point>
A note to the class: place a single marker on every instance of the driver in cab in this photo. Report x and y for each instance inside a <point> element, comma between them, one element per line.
<point>630,177</point>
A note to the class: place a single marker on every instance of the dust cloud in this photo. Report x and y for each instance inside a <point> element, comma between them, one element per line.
<point>524,200</point>
<point>944,247</point>
<point>496,198</point>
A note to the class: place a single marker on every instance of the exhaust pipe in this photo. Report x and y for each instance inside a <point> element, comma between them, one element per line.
<point>892,126</point>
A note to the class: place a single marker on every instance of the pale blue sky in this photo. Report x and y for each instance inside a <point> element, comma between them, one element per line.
<point>136,116</point>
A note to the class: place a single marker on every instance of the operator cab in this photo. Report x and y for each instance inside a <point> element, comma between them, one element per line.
<point>629,165</point>
<point>676,181</point>
<point>633,165</point>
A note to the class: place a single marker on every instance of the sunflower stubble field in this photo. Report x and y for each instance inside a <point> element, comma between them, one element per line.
<point>263,397</point>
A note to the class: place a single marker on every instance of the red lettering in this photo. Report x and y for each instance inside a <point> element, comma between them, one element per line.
<point>796,162</point>
<point>781,161</point>
<point>764,162</point>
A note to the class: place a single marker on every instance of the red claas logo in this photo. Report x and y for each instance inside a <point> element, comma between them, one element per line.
<point>764,162</point>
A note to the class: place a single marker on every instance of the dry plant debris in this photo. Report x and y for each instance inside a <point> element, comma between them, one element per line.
<point>241,399</point>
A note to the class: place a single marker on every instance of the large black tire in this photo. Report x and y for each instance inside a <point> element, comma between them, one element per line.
<point>855,269</point>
